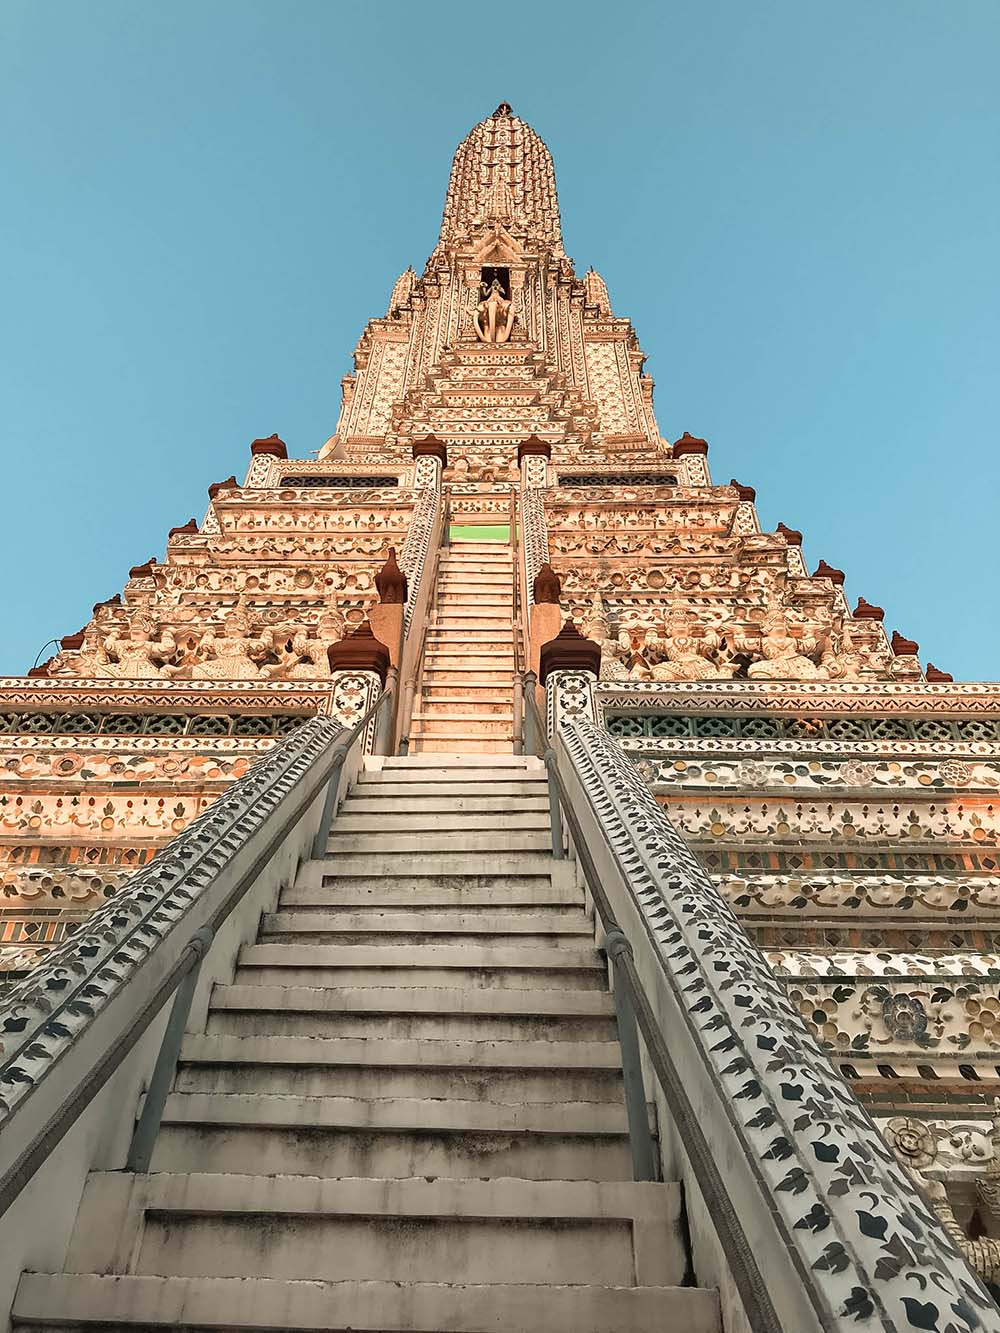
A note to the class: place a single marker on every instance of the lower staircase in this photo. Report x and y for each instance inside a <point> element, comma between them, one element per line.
<point>405,1112</point>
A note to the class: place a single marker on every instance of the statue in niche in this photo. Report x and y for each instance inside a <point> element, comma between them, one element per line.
<point>782,655</point>
<point>494,316</point>
<point>232,655</point>
<point>136,655</point>
<point>304,655</point>
<point>685,651</point>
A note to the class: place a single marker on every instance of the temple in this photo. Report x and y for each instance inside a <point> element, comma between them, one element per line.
<point>585,910</point>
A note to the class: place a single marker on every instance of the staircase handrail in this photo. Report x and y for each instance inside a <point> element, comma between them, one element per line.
<point>794,1148</point>
<point>518,627</point>
<point>412,657</point>
<point>167,908</point>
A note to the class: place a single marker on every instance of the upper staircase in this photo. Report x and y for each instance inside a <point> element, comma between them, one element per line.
<point>465,696</point>
<point>406,1110</point>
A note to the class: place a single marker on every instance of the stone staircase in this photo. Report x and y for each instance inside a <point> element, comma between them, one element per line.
<point>465,695</point>
<point>406,1110</point>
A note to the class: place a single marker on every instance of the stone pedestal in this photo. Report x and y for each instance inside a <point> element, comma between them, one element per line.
<point>386,621</point>
<point>570,695</point>
<point>544,623</point>
<point>533,456</point>
<point>430,458</point>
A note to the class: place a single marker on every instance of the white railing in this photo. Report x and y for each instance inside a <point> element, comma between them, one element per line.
<point>86,1034</point>
<point>798,1209</point>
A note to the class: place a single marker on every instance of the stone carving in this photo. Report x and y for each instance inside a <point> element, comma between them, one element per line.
<point>232,655</point>
<point>390,581</point>
<point>782,655</point>
<point>615,654</point>
<point>918,1149</point>
<point>304,656</point>
<point>138,654</point>
<point>546,588</point>
<point>684,651</point>
<point>913,1143</point>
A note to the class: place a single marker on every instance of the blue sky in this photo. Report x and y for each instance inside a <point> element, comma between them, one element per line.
<point>797,204</point>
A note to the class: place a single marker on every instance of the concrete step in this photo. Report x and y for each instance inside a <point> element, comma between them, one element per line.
<point>470,742</point>
<point>420,1013</point>
<point>608,1232</point>
<point>442,864</point>
<point>451,670</point>
<point>489,675</point>
<point>462,726</point>
<point>491,772</point>
<point>317,976</point>
<point>473,675</point>
<point>485,566</point>
<point>387,821</point>
<point>412,763</point>
<point>487,552</point>
<point>470,614</point>
<point>445,782</point>
<point>443,701</point>
<point>497,645</point>
<point>497,573</point>
<point>239,1305</point>
<point>268,1134</point>
<point>472,595</point>
<point>423,928</point>
<point>468,688</point>
<point>467,649</point>
<point>476,964</point>
<point>468,684</point>
<point>451,579</point>
<point>455,622</point>
<point>500,843</point>
<point>367,1081</point>
<point>514,894</point>
<point>468,1070</point>
<point>392,799</point>
<point>560,922</point>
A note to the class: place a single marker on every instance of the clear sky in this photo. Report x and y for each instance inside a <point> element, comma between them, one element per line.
<point>203,201</point>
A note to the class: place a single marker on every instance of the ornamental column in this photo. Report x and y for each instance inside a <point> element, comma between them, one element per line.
<point>430,457</point>
<point>359,666</point>
<point>569,668</point>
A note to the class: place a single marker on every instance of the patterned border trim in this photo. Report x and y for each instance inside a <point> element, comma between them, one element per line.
<point>79,692</point>
<point>824,696</point>
<point>42,1015</point>
<point>168,725</point>
<point>879,1255</point>
<point>764,727</point>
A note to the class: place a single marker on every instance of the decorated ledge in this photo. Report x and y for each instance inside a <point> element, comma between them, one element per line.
<point>42,1015</point>
<point>875,1253</point>
<point>823,696</point>
<point>747,749</point>
<point>802,901</point>
<point>913,780</point>
<point>43,692</point>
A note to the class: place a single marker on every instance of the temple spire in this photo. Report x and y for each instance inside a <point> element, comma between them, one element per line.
<point>502,171</point>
